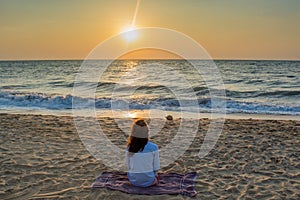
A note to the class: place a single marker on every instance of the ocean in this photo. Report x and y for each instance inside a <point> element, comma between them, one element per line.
<point>251,87</point>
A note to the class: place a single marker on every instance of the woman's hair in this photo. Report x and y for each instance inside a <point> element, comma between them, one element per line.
<point>138,137</point>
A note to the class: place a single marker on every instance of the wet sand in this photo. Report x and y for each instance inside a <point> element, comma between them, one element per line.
<point>42,157</point>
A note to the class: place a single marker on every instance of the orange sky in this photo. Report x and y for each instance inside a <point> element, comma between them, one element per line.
<point>70,29</point>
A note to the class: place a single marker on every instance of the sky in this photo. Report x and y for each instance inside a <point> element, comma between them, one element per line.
<point>227,29</point>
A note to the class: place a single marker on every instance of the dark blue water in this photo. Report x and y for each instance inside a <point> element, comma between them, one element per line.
<point>261,87</point>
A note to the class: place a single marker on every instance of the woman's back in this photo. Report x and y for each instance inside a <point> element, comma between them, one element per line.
<point>142,158</point>
<point>142,166</point>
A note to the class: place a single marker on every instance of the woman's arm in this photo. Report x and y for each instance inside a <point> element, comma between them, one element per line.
<point>156,163</point>
<point>127,160</point>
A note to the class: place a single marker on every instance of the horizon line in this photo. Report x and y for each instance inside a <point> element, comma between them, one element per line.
<point>216,59</point>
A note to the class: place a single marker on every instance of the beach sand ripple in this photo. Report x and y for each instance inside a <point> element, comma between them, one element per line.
<point>42,157</point>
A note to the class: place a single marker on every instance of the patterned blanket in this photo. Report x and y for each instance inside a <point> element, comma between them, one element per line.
<point>171,183</point>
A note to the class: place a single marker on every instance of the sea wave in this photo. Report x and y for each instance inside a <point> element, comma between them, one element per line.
<point>60,102</point>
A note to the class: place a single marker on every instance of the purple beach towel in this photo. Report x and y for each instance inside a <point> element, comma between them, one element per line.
<point>171,183</point>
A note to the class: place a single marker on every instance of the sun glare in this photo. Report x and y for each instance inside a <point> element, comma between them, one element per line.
<point>129,33</point>
<point>130,115</point>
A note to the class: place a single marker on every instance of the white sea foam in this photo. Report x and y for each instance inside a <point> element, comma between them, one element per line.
<point>58,102</point>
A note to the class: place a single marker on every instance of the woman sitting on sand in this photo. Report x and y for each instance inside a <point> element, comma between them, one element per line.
<point>142,157</point>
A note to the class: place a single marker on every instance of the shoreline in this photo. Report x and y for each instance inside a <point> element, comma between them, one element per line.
<point>154,114</point>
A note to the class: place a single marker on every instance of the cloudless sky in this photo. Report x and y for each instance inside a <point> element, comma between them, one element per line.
<point>227,29</point>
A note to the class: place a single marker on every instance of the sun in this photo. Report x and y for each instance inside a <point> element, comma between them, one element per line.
<point>129,33</point>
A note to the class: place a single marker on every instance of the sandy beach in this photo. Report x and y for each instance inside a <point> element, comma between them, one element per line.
<point>42,157</point>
